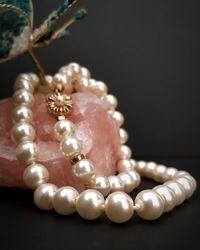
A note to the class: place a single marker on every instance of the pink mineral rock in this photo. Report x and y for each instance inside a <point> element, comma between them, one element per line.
<point>98,132</point>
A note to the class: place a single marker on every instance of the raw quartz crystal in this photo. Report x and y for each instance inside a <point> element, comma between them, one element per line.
<point>97,131</point>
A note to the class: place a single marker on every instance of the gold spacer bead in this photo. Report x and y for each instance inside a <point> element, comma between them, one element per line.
<point>77,159</point>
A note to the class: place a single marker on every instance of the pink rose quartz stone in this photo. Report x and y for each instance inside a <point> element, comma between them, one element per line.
<point>98,132</point>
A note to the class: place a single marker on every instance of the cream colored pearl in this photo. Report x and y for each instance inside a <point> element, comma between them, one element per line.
<point>187,185</point>
<point>149,205</point>
<point>24,76</point>
<point>49,82</point>
<point>35,175</point>
<point>27,152</point>
<point>181,173</point>
<point>98,88</point>
<point>129,182</point>
<point>159,173</point>
<point>149,169</point>
<point>111,101</point>
<point>193,182</point>
<point>140,167</point>
<point>126,165</point>
<point>34,79</point>
<point>23,131</point>
<point>170,173</point>
<point>82,84</point>
<point>90,204</point>
<point>64,200</point>
<point>85,72</point>
<point>75,68</point>
<point>123,135</point>
<point>168,195</point>
<point>119,207</point>
<point>124,152</point>
<point>116,183</point>
<point>102,185</point>
<point>178,190</point>
<point>22,113</point>
<point>23,97</point>
<point>70,147</point>
<point>24,84</point>
<point>65,80</point>
<point>43,196</point>
<point>84,170</point>
<point>136,177</point>
<point>63,128</point>
<point>117,116</point>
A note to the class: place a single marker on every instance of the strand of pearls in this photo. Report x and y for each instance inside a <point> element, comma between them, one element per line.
<point>119,207</point>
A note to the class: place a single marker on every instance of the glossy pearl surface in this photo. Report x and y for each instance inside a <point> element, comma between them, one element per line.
<point>150,205</point>
<point>129,182</point>
<point>35,175</point>
<point>24,84</point>
<point>98,88</point>
<point>23,131</point>
<point>178,190</point>
<point>90,204</point>
<point>70,147</point>
<point>123,135</point>
<point>65,80</point>
<point>159,173</point>
<point>116,183</point>
<point>124,152</point>
<point>125,165</point>
<point>23,97</point>
<point>140,167</point>
<point>170,173</point>
<point>168,195</point>
<point>149,169</point>
<point>43,196</point>
<point>27,152</point>
<point>64,200</point>
<point>117,116</point>
<point>187,185</point>
<point>136,177</point>
<point>63,128</point>
<point>102,185</point>
<point>84,72</point>
<point>111,102</point>
<point>84,170</point>
<point>22,113</point>
<point>119,207</point>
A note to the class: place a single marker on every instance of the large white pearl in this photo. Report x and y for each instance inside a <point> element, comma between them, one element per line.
<point>159,173</point>
<point>65,80</point>
<point>63,128</point>
<point>119,207</point>
<point>82,84</point>
<point>24,84</point>
<point>116,183</point>
<point>98,88</point>
<point>64,200</point>
<point>35,175</point>
<point>129,182</point>
<point>168,195</point>
<point>75,68</point>
<point>124,152</point>
<point>149,169</point>
<point>27,152</point>
<point>70,147</point>
<point>178,190</point>
<point>84,72</point>
<point>126,165</point>
<point>22,113</point>
<point>34,79</point>
<point>23,97</point>
<point>170,173</point>
<point>193,182</point>
<point>187,185</point>
<point>140,167</point>
<point>84,170</point>
<point>43,196</point>
<point>123,135</point>
<point>90,204</point>
<point>111,101</point>
<point>102,185</point>
<point>136,177</point>
<point>117,116</point>
<point>23,131</point>
<point>149,205</point>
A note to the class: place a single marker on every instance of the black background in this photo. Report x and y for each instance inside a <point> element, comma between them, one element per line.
<point>148,54</point>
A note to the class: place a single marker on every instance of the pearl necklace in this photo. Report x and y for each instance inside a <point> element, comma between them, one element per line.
<point>90,204</point>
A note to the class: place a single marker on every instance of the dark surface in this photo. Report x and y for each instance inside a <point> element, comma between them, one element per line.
<point>148,53</point>
<point>25,227</point>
